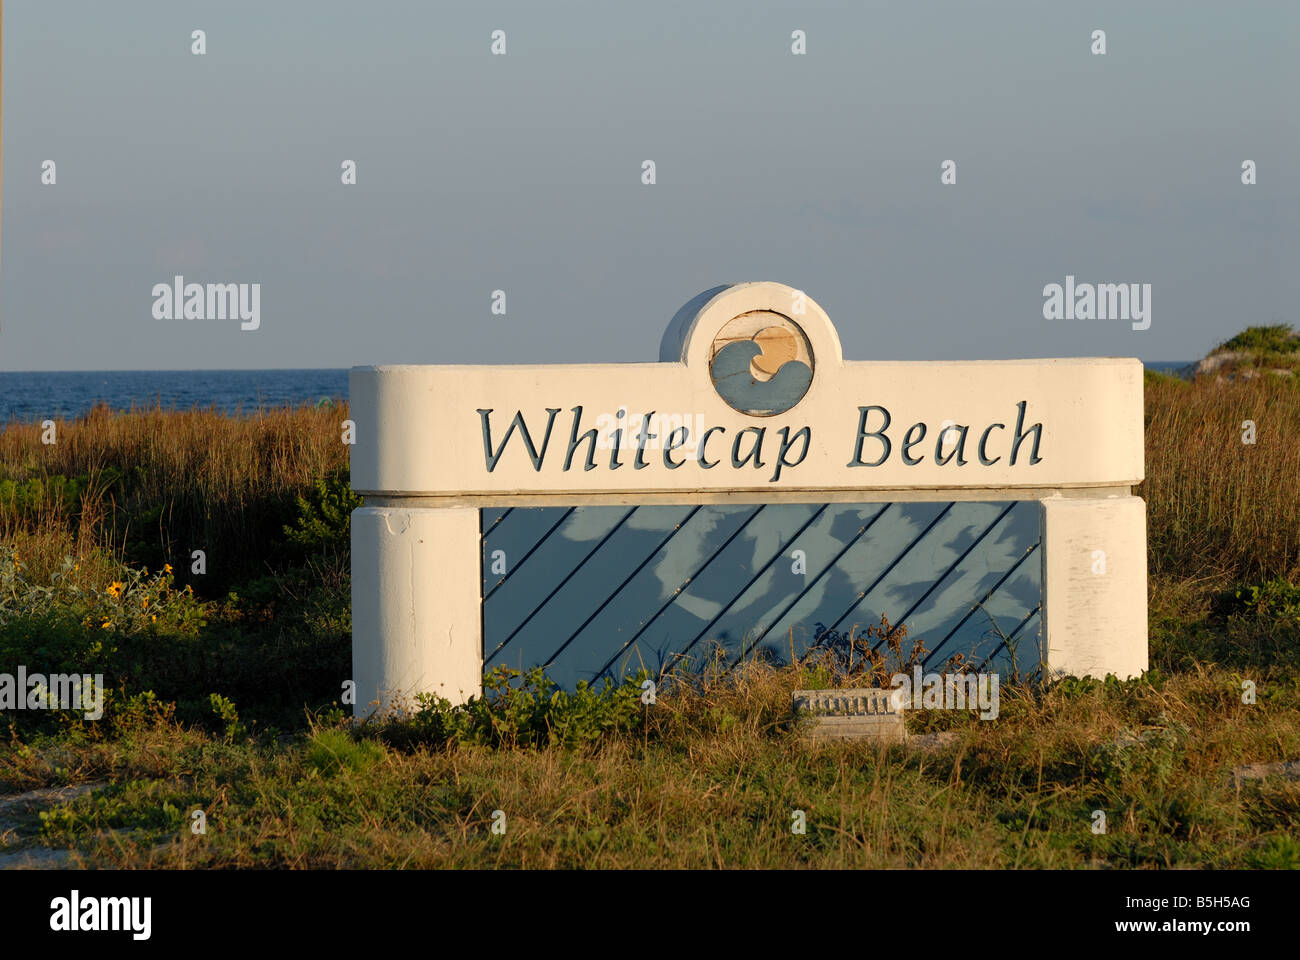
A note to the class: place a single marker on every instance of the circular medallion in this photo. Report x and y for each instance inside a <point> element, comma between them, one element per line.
<point>761,363</point>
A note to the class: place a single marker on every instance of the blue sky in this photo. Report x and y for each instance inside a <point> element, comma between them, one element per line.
<point>523,173</point>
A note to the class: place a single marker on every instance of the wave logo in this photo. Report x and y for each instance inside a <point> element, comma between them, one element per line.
<point>762,363</point>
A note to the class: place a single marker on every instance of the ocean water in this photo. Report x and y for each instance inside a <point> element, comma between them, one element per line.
<point>1167,366</point>
<point>37,396</point>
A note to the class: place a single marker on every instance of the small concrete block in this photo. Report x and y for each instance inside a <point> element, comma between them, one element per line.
<point>859,713</point>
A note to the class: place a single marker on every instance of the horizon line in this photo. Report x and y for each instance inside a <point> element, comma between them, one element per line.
<point>453,362</point>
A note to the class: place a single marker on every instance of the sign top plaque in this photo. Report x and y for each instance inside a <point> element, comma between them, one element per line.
<point>751,393</point>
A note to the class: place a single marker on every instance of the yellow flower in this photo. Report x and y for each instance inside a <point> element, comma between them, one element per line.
<point>115,589</point>
<point>153,619</point>
<point>144,604</point>
<point>106,624</point>
<point>167,568</point>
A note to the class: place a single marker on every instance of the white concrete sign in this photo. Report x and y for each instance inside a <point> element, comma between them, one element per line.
<point>750,402</point>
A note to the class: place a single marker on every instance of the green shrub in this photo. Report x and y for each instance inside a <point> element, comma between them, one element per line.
<point>141,713</point>
<point>1279,852</point>
<point>138,602</point>
<point>525,709</point>
<point>26,499</point>
<point>1277,599</point>
<point>1155,377</point>
<point>1276,338</point>
<point>333,750</point>
<point>324,522</point>
<point>1152,756</point>
<point>229,716</point>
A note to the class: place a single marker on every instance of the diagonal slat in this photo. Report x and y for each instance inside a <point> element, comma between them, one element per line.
<point>983,600</point>
<point>626,580</point>
<point>1002,645</point>
<point>812,583</point>
<point>571,574</point>
<point>897,560</point>
<point>740,593</point>
<point>938,580</point>
<point>672,597</point>
<point>531,550</point>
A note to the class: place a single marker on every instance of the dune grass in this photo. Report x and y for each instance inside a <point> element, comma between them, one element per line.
<point>710,777</point>
<point>150,486</point>
<point>1217,506</point>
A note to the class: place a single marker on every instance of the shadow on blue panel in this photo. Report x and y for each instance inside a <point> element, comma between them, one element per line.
<point>588,592</point>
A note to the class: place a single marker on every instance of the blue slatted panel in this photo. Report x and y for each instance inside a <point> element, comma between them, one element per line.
<point>592,591</point>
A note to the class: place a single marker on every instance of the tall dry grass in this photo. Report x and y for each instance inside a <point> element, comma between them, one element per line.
<point>158,483</point>
<point>1217,506</point>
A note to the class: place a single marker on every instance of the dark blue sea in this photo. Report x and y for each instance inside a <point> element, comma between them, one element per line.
<point>37,396</point>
